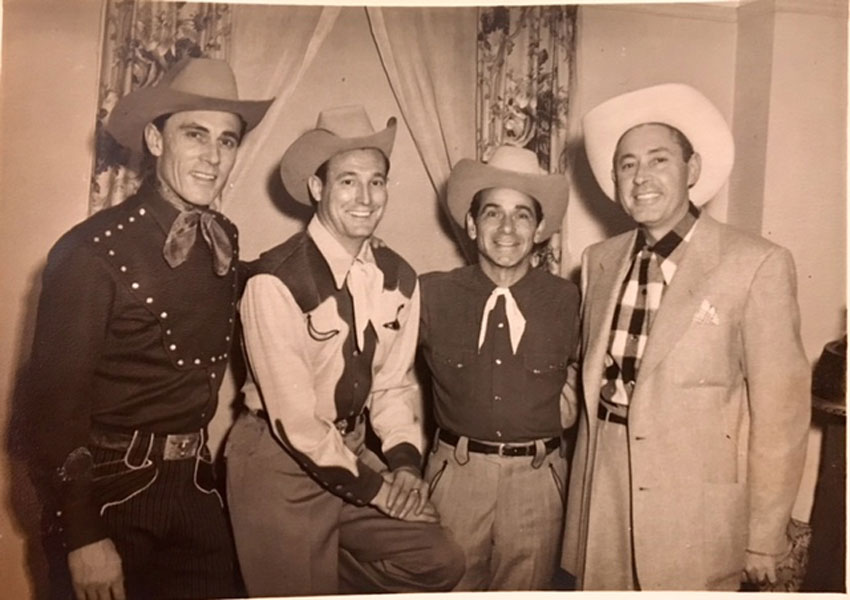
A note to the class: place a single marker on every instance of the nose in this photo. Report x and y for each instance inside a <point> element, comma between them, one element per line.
<point>364,194</point>
<point>506,224</point>
<point>640,173</point>
<point>212,153</point>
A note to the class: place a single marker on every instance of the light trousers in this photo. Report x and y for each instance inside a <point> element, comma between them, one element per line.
<point>293,537</point>
<point>507,515</point>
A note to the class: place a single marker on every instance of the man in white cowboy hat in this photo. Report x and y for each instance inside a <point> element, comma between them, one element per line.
<point>133,332</point>
<point>499,337</point>
<point>696,388</point>
<point>330,327</point>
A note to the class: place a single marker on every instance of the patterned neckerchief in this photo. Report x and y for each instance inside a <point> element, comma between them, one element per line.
<point>651,271</point>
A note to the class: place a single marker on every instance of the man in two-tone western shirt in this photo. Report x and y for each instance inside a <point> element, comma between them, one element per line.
<point>330,327</point>
<point>498,338</point>
<point>132,338</point>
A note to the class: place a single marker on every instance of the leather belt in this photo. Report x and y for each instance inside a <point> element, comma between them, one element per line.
<point>173,446</point>
<point>344,425</point>
<point>606,415</point>
<point>502,449</point>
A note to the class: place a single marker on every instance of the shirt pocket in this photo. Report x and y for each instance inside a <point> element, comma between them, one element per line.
<point>545,374</point>
<point>452,368</point>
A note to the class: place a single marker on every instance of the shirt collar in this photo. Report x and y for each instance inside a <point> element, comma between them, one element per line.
<point>334,254</point>
<point>161,209</point>
<point>667,244</point>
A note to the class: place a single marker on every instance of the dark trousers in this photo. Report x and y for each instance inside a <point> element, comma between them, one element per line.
<point>167,522</point>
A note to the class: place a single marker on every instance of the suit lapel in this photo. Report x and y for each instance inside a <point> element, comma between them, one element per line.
<point>608,270</point>
<point>681,299</point>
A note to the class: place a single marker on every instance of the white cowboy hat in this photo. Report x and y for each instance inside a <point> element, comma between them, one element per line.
<point>514,168</point>
<point>675,104</point>
<point>191,84</point>
<point>337,130</point>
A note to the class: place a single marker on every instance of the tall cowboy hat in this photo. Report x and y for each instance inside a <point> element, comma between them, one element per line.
<point>337,130</point>
<point>191,84</point>
<point>675,104</point>
<point>514,168</point>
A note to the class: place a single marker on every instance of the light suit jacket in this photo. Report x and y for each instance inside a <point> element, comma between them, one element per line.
<point>719,417</point>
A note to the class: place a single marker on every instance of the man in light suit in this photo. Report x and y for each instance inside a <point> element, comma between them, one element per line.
<point>691,447</point>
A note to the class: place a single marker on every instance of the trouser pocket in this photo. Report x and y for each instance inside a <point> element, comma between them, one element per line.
<point>115,480</point>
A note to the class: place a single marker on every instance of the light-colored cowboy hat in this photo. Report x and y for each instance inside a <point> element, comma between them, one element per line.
<point>337,130</point>
<point>514,168</point>
<point>674,104</point>
<point>191,84</point>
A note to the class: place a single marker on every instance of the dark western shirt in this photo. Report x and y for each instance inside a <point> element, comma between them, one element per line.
<point>124,342</point>
<point>493,394</point>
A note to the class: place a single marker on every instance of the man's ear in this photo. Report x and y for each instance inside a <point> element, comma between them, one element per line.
<point>315,185</point>
<point>694,169</point>
<point>538,233</point>
<point>471,231</point>
<point>153,139</point>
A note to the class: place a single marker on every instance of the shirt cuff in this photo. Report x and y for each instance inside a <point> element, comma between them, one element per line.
<point>80,518</point>
<point>403,455</point>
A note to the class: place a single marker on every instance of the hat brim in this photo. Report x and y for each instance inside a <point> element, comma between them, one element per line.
<point>311,149</point>
<point>470,177</point>
<point>678,105</point>
<point>127,121</point>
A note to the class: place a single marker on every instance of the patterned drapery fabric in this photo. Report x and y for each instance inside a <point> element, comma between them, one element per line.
<point>526,76</point>
<point>141,40</point>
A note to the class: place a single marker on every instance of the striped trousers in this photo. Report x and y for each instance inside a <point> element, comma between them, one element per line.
<point>167,522</point>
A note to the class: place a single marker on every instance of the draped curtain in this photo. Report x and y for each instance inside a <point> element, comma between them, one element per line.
<point>426,56</point>
<point>142,39</point>
<point>525,80</point>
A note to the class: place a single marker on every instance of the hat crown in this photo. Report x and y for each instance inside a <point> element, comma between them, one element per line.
<point>346,121</point>
<point>203,77</point>
<point>519,160</point>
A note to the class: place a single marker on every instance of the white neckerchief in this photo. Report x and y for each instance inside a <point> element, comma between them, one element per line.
<point>364,279</point>
<point>365,283</point>
<point>516,321</point>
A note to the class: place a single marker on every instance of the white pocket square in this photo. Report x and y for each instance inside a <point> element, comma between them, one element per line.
<point>706,314</point>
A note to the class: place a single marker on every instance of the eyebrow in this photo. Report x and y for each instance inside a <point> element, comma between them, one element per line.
<point>650,151</point>
<point>500,207</point>
<point>199,127</point>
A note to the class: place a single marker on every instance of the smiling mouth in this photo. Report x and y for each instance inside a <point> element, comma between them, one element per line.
<point>361,214</point>
<point>205,177</point>
<point>646,196</point>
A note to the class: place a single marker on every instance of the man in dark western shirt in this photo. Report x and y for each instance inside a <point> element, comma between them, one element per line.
<point>132,337</point>
<point>499,337</point>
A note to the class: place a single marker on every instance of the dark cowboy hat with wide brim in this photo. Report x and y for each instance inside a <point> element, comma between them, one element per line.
<point>514,168</point>
<point>191,84</point>
<point>337,130</point>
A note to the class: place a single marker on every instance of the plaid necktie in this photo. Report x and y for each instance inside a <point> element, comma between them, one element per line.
<point>651,270</point>
<point>184,232</point>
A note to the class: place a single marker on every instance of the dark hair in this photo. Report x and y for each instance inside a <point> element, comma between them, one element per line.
<point>681,140</point>
<point>322,169</point>
<point>475,205</point>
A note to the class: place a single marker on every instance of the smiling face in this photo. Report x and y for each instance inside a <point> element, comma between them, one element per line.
<point>505,231</point>
<point>352,197</point>
<point>652,177</point>
<point>195,152</point>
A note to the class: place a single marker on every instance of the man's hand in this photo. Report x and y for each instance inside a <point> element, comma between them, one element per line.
<point>96,571</point>
<point>404,496</point>
<point>407,493</point>
<point>761,568</point>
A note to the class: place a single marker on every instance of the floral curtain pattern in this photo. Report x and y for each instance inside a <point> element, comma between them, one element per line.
<point>526,74</point>
<point>142,39</point>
